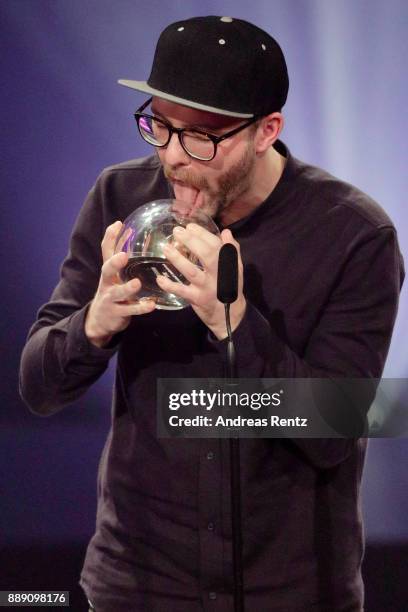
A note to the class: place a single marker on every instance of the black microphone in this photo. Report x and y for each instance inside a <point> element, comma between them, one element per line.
<point>227,280</point>
<point>227,293</point>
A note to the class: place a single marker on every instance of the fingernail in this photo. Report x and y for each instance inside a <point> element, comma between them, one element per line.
<point>179,229</point>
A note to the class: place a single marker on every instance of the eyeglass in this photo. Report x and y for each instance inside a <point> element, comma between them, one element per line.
<point>196,143</point>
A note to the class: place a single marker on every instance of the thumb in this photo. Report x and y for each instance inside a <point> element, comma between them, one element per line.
<point>109,240</point>
<point>228,238</point>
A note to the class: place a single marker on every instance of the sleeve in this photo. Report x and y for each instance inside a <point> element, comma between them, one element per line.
<point>351,338</point>
<point>58,362</point>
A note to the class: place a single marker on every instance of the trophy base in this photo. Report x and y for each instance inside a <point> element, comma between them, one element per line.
<point>146,269</point>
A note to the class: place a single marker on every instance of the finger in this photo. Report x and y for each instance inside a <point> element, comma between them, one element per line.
<point>197,230</point>
<point>111,269</point>
<point>228,238</point>
<point>123,243</point>
<point>186,292</point>
<point>125,292</point>
<point>109,240</point>
<point>187,268</point>
<point>205,249</point>
<point>143,306</point>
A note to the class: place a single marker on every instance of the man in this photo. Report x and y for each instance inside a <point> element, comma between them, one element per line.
<point>319,278</point>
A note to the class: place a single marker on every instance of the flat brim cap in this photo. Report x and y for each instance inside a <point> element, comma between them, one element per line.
<point>218,64</point>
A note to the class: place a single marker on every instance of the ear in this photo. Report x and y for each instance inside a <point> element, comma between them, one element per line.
<point>268,131</point>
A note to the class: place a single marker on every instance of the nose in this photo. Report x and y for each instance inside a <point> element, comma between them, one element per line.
<point>173,153</point>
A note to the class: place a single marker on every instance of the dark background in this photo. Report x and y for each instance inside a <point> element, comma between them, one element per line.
<point>63,119</point>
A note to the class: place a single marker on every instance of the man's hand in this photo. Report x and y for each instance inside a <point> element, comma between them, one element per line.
<point>201,293</point>
<point>112,307</point>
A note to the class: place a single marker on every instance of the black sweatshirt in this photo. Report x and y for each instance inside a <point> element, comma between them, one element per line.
<point>322,274</point>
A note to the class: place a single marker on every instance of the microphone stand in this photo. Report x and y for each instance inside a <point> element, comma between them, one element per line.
<point>235,486</point>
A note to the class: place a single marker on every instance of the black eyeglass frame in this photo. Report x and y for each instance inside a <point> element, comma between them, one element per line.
<point>179,131</point>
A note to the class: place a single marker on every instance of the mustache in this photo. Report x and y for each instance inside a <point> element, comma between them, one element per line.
<point>186,177</point>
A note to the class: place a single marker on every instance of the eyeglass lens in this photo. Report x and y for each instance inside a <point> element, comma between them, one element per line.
<point>157,133</point>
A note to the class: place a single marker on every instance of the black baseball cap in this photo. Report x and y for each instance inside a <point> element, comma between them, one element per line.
<point>218,64</point>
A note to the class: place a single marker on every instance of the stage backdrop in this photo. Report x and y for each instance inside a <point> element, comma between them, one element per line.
<point>64,118</point>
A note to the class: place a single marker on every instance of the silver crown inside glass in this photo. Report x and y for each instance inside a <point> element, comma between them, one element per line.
<point>143,235</point>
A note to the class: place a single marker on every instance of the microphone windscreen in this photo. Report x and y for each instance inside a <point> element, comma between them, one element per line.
<point>227,280</point>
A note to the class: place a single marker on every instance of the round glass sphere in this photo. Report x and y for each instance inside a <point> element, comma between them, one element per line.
<point>143,235</point>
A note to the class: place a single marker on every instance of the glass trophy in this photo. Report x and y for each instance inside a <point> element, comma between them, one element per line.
<point>143,235</point>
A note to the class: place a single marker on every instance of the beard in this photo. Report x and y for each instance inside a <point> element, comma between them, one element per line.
<point>229,186</point>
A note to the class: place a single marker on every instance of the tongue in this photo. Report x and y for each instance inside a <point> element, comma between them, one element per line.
<point>185,193</point>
